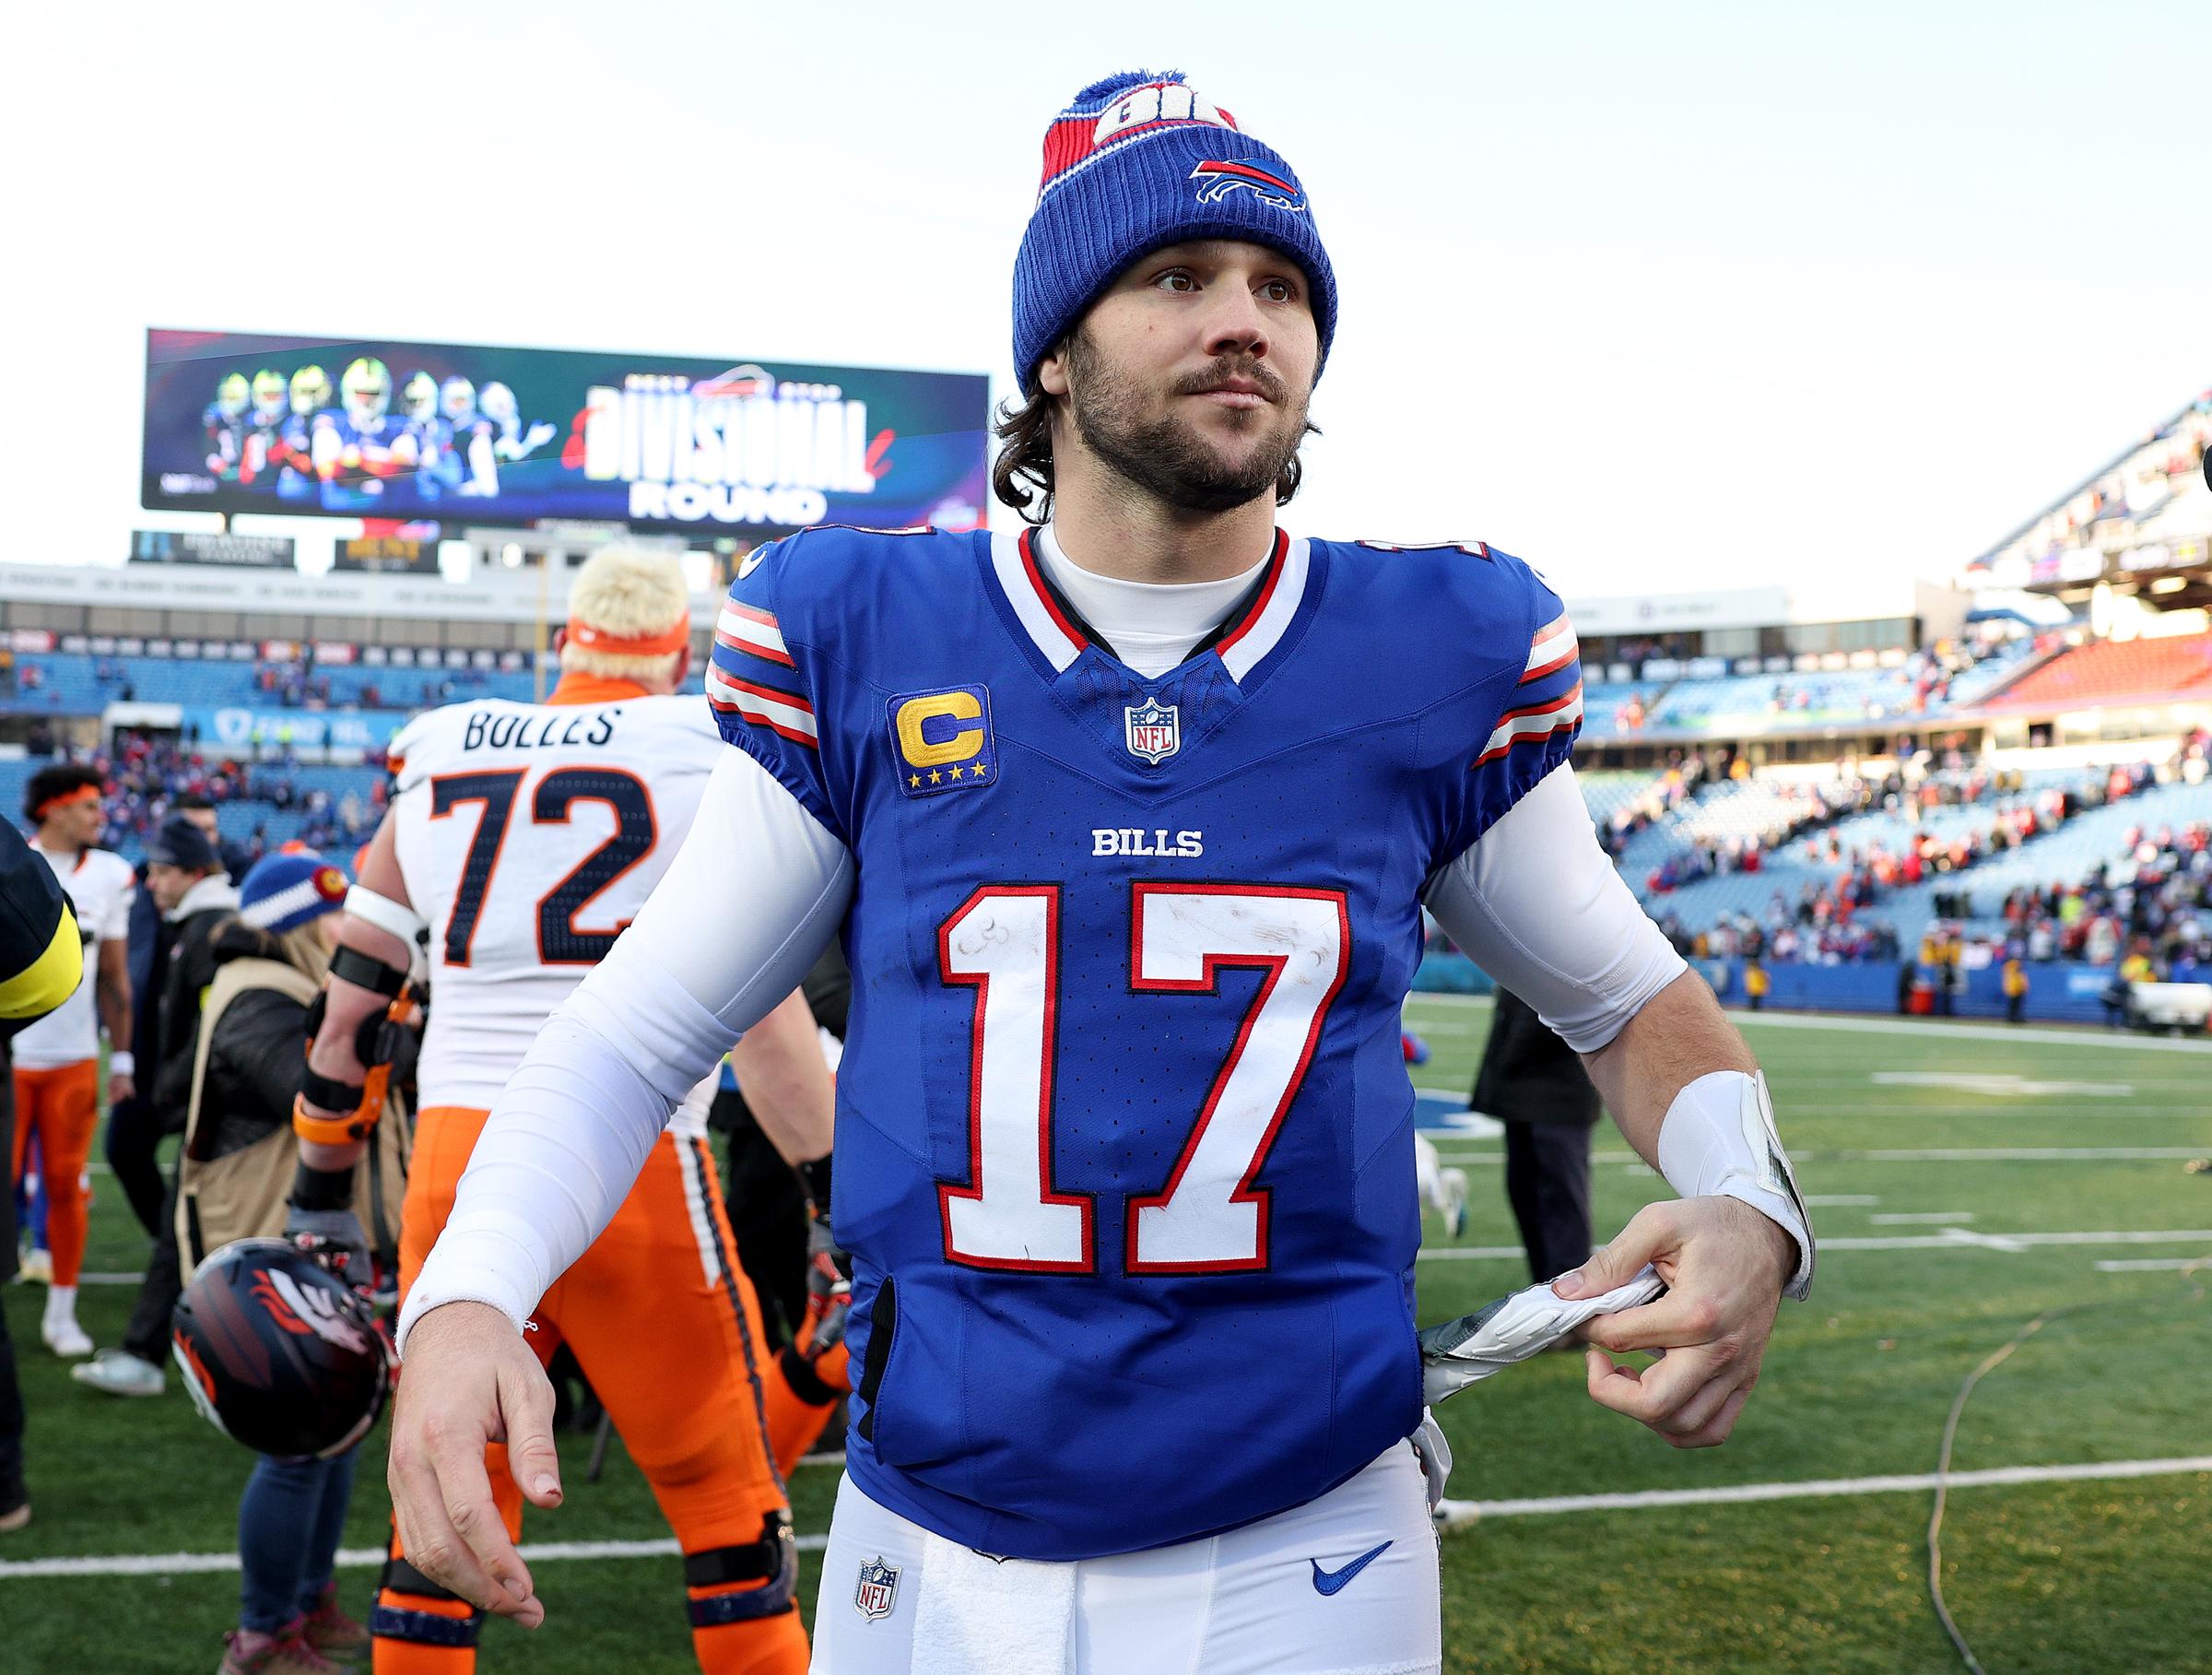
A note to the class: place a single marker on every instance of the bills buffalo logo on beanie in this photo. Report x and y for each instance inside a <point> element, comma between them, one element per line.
<point>1137,162</point>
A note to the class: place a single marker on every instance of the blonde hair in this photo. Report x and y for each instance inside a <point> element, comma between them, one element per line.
<point>301,949</point>
<point>627,593</point>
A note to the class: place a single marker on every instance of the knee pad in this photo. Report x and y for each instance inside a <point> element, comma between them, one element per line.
<point>422,1628</point>
<point>772,1561</point>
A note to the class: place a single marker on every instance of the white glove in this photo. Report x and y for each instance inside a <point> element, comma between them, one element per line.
<point>1458,1353</point>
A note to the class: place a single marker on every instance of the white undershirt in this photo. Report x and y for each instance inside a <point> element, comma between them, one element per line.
<point>1151,625</point>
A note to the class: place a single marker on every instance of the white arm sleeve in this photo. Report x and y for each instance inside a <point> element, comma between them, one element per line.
<point>1537,905</point>
<point>754,895</point>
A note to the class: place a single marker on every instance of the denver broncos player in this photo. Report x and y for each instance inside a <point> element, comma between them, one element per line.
<point>525,836</point>
<point>1127,823</point>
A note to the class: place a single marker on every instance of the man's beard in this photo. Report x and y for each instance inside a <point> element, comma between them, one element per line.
<point>1166,457</point>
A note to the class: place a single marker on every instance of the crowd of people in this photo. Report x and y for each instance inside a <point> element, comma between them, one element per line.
<point>149,778</point>
<point>2154,903</point>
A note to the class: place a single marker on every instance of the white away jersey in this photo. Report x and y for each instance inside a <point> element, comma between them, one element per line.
<point>529,836</point>
<point>98,885</point>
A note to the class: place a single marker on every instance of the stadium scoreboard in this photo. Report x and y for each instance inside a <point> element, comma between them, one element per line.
<point>416,432</point>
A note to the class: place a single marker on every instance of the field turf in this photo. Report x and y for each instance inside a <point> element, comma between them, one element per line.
<point>1918,1147</point>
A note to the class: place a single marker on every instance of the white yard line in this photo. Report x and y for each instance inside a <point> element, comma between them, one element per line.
<point>1990,1032</point>
<point>362,1558</point>
<point>1948,1238</point>
<point>2150,1265</point>
<point>1944,1154</point>
<point>1932,1217</point>
<point>1903,1483</point>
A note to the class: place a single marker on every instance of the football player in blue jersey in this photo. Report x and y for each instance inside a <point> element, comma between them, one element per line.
<point>224,424</point>
<point>294,450</point>
<point>265,430</point>
<point>438,469</point>
<point>362,444</point>
<point>1126,823</point>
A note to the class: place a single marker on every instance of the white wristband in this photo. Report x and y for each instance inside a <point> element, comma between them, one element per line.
<point>121,1063</point>
<point>394,918</point>
<point>1719,1140</point>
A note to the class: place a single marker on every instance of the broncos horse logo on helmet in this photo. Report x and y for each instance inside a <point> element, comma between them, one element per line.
<point>278,1352</point>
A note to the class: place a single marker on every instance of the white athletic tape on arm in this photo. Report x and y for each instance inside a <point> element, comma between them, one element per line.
<point>394,918</point>
<point>1719,1140</point>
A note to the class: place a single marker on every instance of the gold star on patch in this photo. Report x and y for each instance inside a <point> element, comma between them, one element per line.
<point>956,773</point>
<point>936,777</point>
<point>977,770</point>
<point>913,779</point>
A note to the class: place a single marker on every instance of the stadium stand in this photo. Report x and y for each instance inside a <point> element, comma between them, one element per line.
<point>63,683</point>
<point>2116,672</point>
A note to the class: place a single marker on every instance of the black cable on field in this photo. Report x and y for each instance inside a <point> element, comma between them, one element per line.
<point>1995,1359</point>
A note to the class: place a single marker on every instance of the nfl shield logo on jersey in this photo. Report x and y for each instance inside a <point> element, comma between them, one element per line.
<point>878,1587</point>
<point>1153,731</point>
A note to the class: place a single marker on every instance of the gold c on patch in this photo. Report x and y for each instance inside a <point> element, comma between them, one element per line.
<point>941,739</point>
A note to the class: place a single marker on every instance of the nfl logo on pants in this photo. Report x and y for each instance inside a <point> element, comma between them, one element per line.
<point>878,1587</point>
<point>1153,730</point>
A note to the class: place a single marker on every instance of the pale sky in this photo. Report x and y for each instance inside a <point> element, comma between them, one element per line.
<point>1658,297</point>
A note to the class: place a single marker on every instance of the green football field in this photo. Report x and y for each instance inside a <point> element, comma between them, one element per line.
<point>1965,1180</point>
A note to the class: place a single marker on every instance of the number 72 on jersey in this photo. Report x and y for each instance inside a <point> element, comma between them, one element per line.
<point>1004,942</point>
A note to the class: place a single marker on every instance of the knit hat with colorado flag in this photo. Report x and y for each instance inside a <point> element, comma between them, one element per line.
<point>284,891</point>
<point>1137,161</point>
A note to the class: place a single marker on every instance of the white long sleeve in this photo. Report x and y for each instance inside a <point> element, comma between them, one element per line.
<point>749,901</point>
<point>1536,903</point>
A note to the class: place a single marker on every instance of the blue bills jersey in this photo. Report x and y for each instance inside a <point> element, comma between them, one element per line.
<point>1124,1136</point>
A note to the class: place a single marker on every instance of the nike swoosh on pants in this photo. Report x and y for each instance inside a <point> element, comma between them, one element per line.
<point>1332,1581</point>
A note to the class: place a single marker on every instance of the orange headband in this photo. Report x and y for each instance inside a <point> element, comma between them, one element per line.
<point>83,793</point>
<point>672,639</point>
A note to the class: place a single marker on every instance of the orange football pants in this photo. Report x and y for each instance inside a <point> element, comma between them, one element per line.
<point>664,1323</point>
<point>62,1107</point>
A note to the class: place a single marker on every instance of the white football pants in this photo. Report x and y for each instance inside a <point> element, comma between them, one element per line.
<point>1345,1585</point>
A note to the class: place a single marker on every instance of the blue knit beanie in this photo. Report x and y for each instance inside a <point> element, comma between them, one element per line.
<point>1137,161</point>
<point>284,891</point>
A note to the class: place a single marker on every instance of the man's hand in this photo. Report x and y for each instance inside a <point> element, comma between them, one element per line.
<point>1725,1265</point>
<point>339,1235</point>
<point>121,1085</point>
<point>470,1380</point>
<point>828,1292</point>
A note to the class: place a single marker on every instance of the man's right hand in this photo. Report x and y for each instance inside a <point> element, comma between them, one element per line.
<point>470,1380</point>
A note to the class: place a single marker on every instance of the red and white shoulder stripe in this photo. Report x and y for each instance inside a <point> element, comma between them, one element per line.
<point>1534,722</point>
<point>745,628</point>
<point>1282,591</point>
<point>1552,649</point>
<point>784,713</point>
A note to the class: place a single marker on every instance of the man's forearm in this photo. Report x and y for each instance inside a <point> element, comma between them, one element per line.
<point>1678,1035</point>
<point>113,993</point>
<point>1718,1137</point>
<point>785,1080</point>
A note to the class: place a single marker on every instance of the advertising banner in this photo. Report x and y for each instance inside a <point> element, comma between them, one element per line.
<point>176,547</point>
<point>238,422</point>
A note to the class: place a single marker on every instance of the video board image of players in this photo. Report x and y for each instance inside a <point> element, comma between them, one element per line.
<point>385,429</point>
<point>361,452</point>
